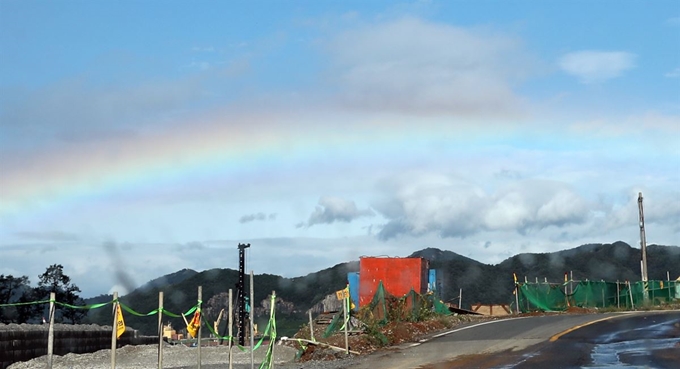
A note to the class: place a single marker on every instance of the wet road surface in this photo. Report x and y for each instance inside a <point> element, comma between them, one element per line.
<point>637,340</point>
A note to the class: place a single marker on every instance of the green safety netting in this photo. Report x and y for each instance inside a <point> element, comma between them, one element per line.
<point>410,307</point>
<point>594,294</point>
<point>385,308</point>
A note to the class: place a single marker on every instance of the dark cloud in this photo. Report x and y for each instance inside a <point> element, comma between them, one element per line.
<point>257,217</point>
<point>252,217</point>
<point>392,229</point>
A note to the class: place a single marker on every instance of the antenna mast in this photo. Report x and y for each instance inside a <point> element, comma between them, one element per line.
<point>242,314</point>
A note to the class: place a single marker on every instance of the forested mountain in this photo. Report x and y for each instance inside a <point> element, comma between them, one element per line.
<point>160,282</point>
<point>169,279</point>
<point>301,292</point>
<point>480,282</point>
<point>493,283</point>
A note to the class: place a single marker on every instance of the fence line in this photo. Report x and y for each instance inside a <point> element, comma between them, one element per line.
<point>545,296</point>
<point>270,330</point>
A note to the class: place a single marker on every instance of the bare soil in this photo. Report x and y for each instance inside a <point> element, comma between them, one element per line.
<point>373,338</point>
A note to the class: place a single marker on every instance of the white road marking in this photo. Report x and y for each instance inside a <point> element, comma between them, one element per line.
<point>476,325</point>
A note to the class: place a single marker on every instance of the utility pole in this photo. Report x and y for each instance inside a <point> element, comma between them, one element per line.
<point>643,240</point>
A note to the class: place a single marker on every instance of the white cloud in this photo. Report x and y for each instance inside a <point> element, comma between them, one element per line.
<point>662,131</point>
<point>620,218</point>
<point>205,49</point>
<point>334,209</point>
<point>453,207</point>
<point>425,203</point>
<point>674,21</point>
<point>55,236</point>
<point>202,65</point>
<point>675,73</point>
<point>420,67</point>
<point>592,66</point>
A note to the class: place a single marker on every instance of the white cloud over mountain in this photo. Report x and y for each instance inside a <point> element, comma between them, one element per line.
<point>451,207</point>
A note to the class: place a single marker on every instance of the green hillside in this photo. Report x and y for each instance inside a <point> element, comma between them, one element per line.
<point>490,284</point>
<point>302,292</point>
<point>481,283</point>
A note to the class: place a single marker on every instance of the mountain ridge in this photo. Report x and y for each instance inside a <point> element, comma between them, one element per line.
<point>480,283</point>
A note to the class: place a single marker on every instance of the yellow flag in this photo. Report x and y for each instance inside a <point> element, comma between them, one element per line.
<point>120,323</point>
<point>349,298</point>
<point>192,327</point>
<point>515,277</point>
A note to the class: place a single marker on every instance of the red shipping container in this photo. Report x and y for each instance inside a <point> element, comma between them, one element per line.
<point>398,275</point>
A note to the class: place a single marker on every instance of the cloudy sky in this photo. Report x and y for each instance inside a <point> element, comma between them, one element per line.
<point>140,138</point>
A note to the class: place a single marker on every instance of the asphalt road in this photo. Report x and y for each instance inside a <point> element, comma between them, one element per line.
<point>642,340</point>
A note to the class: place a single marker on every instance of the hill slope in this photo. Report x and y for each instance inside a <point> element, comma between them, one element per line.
<point>160,282</point>
<point>480,282</point>
<point>494,283</point>
<point>302,292</point>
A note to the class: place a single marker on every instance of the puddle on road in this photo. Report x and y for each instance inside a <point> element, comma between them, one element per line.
<point>651,330</point>
<point>608,355</point>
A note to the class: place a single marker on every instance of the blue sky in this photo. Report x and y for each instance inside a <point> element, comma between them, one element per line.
<point>133,134</point>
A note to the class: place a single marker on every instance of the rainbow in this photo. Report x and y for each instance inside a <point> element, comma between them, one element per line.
<point>256,147</point>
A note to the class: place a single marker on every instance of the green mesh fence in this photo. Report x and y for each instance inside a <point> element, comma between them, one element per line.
<point>385,308</point>
<point>439,306</point>
<point>542,297</point>
<point>595,294</point>
<point>377,309</point>
<point>411,307</point>
<point>333,326</point>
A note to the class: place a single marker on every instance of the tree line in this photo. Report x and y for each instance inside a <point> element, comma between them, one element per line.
<point>18,291</point>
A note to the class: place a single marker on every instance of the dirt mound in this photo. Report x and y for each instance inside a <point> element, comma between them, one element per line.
<point>371,338</point>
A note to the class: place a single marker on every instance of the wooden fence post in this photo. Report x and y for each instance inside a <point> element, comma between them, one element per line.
<point>160,330</point>
<point>50,334</point>
<point>231,328</point>
<point>114,330</point>
<point>273,344</point>
<point>344,310</point>
<point>200,324</point>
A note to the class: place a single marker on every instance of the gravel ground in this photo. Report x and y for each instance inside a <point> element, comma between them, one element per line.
<point>214,357</point>
<point>181,357</point>
<point>174,357</point>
